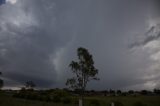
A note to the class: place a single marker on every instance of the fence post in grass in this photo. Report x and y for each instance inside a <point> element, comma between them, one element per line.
<point>80,102</point>
<point>112,104</point>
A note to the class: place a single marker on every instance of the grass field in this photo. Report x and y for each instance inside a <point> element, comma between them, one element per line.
<point>89,101</point>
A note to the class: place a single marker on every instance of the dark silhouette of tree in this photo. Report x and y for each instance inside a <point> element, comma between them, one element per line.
<point>83,69</point>
<point>119,92</point>
<point>112,91</point>
<point>30,85</point>
<point>144,92</point>
<point>157,91</point>
<point>105,92</point>
<point>23,89</point>
<point>1,81</point>
<point>130,92</point>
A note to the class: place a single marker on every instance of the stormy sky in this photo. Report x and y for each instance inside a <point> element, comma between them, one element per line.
<point>39,38</point>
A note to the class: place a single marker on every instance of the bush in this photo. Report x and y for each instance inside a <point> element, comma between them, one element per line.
<point>19,95</point>
<point>61,96</point>
<point>139,104</point>
<point>60,93</point>
<point>47,98</point>
<point>55,96</point>
<point>56,99</point>
<point>66,100</point>
<point>95,102</point>
<point>31,96</point>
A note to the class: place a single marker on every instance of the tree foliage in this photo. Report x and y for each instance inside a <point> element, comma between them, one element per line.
<point>83,69</point>
<point>30,84</point>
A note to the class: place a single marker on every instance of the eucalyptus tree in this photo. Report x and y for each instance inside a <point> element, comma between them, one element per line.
<point>30,85</point>
<point>83,70</point>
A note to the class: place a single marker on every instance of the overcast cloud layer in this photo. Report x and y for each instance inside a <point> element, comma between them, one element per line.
<point>39,38</point>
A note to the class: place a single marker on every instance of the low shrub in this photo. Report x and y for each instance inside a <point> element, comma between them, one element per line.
<point>47,98</point>
<point>56,99</point>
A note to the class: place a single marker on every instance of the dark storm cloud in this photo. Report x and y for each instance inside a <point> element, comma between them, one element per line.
<point>30,35</point>
<point>105,31</point>
<point>2,2</point>
<point>39,38</point>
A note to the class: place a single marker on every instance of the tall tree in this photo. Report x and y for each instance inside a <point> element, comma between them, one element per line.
<point>30,84</point>
<point>83,69</point>
<point>1,81</point>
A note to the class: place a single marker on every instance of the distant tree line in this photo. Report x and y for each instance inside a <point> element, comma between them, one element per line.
<point>1,81</point>
<point>51,95</point>
<point>112,92</point>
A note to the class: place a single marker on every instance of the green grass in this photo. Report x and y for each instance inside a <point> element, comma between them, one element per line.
<point>89,101</point>
<point>128,100</point>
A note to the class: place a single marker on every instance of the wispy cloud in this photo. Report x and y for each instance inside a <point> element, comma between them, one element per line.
<point>152,34</point>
